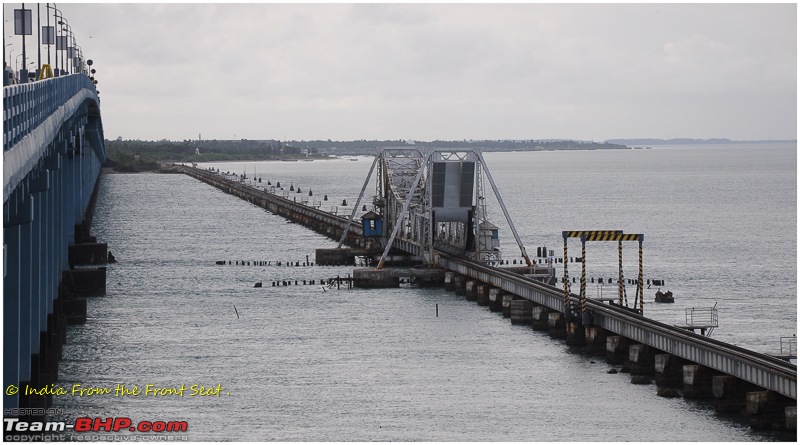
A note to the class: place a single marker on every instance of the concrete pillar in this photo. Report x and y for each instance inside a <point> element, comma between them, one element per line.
<point>556,325</point>
<point>791,417</point>
<point>458,284</point>
<point>449,278</point>
<point>668,369</point>
<point>616,349</point>
<point>495,299</point>
<point>697,382</point>
<point>576,333</point>
<point>374,278</point>
<point>730,393</point>
<point>595,340</point>
<point>506,304</point>
<point>641,359</point>
<point>767,410</point>
<point>471,290</point>
<point>540,316</point>
<point>86,282</point>
<point>482,294</point>
<point>520,311</point>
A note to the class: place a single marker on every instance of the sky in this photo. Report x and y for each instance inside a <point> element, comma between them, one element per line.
<point>436,71</point>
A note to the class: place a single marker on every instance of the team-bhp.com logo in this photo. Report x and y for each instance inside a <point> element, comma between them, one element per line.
<point>95,425</point>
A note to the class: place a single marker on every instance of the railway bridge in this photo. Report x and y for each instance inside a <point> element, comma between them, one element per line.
<point>430,207</point>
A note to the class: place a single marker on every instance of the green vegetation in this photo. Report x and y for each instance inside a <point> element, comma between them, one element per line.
<point>136,156</point>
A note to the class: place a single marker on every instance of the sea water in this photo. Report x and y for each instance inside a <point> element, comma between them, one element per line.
<point>312,363</point>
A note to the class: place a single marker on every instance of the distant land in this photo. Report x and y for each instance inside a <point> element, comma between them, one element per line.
<point>137,155</point>
<point>688,141</point>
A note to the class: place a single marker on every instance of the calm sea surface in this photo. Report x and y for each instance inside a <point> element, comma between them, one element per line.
<point>297,363</point>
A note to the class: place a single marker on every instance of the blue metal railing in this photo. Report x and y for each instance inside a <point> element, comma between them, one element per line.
<point>26,106</point>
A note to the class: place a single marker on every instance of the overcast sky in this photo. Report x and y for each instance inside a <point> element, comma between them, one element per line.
<point>443,71</point>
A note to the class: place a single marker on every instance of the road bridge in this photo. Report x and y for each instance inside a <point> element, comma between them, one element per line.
<point>52,153</point>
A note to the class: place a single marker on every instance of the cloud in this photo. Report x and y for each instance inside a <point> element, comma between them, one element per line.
<point>427,71</point>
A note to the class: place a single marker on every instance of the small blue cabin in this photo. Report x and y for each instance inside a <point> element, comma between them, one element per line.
<point>372,224</point>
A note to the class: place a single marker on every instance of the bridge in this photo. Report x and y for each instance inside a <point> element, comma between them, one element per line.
<point>53,150</point>
<point>430,206</point>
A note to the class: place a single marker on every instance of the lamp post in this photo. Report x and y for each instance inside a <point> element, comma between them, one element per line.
<point>23,27</point>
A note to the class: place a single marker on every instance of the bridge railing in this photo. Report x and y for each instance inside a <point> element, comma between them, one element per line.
<point>28,105</point>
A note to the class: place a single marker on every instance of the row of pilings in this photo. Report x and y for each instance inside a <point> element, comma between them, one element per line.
<point>672,375</point>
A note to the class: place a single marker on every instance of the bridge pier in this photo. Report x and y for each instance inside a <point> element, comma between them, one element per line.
<point>730,393</point>
<point>482,294</point>
<point>506,304</point>
<point>641,359</point>
<point>471,290</point>
<point>697,382</point>
<point>540,316</point>
<point>496,299</point>
<point>520,311</point>
<point>448,281</point>
<point>770,410</point>
<point>668,369</point>
<point>616,349</point>
<point>459,283</point>
<point>595,340</point>
<point>557,325</point>
<point>576,333</point>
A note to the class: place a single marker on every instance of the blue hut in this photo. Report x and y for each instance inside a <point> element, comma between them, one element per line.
<point>372,224</point>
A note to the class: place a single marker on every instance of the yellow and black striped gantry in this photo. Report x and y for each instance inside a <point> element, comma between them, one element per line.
<point>603,235</point>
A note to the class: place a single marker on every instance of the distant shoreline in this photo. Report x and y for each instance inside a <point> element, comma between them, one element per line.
<point>687,141</point>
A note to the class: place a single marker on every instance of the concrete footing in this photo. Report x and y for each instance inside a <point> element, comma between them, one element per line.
<point>373,278</point>
<point>335,257</point>
<point>85,282</point>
